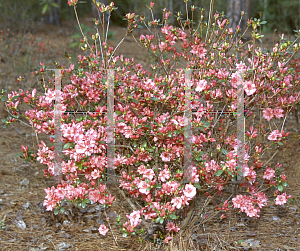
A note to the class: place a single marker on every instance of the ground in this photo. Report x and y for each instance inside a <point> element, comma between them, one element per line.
<point>26,225</point>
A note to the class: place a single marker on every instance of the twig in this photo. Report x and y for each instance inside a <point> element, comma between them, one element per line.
<point>188,217</point>
<point>128,200</point>
<point>125,147</point>
<point>81,29</point>
<point>107,219</point>
<point>272,157</point>
<point>129,107</point>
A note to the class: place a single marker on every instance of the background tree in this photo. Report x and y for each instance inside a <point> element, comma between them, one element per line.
<point>234,9</point>
<point>51,11</point>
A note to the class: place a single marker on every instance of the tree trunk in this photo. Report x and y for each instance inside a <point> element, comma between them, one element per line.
<point>234,8</point>
<point>53,16</point>
<point>247,13</point>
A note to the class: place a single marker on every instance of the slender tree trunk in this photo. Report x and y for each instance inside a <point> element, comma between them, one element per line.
<point>247,10</point>
<point>172,10</point>
<point>54,16</point>
<point>234,8</point>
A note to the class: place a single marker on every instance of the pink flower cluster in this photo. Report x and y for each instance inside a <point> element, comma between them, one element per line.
<point>246,203</point>
<point>282,199</point>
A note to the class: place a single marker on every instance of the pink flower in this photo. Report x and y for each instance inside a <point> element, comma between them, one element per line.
<point>238,201</point>
<point>162,46</point>
<point>141,169</point>
<point>128,132</point>
<point>72,2</point>
<point>249,87</point>
<point>252,211</point>
<point>189,191</point>
<point>282,199</point>
<point>165,156</point>
<point>143,187</point>
<point>198,50</point>
<point>168,239</point>
<point>241,66</point>
<point>275,135</point>
<point>149,174</point>
<point>164,175</point>
<point>278,113</point>
<point>201,85</point>
<point>261,199</point>
<point>134,218</point>
<point>177,202</point>
<point>172,227</point>
<point>95,174</point>
<point>268,114</point>
<point>269,174</point>
<point>103,230</point>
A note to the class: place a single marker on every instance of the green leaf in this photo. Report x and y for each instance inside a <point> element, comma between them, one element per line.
<point>66,146</point>
<point>55,5</point>
<point>280,143</point>
<point>118,112</point>
<point>173,216</point>
<point>158,220</point>
<point>20,154</point>
<point>62,209</point>
<point>102,142</point>
<point>224,151</point>
<point>45,9</point>
<point>86,200</point>
<point>219,173</point>
<point>73,44</point>
<point>144,144</point>
<point>197,185</point>
<point>280,188</point>
<point>155,99</point>
<point>83,204</point>
<point>206,124</point>
<point>198,158</point>
<point>285,184</point>
<point>158,186</point>
<point>56,211</point>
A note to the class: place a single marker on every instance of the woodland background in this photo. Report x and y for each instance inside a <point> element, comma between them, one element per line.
<point>283,15</point>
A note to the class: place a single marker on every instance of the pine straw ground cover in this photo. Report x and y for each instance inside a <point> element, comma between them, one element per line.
<point>26,225</point>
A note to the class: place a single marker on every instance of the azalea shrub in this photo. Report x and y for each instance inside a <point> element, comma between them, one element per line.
<point>149,121</point>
